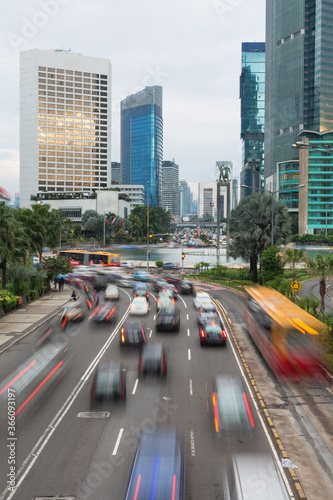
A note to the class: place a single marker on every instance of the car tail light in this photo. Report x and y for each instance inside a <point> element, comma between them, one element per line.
<point>224,333</point>
<point>122,330</point>
<point>202,333</point>
<point>216,413</point>
<point>123,338</point>
<point>134,295</point>
<point>89,304</point>
<point>107,317</point>
<point>64,322</point>
<point>93,314</point>
<point>248,409</point>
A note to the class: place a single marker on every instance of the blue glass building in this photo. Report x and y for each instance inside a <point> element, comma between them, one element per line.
<point>142,141</point>
<point>252,95</point>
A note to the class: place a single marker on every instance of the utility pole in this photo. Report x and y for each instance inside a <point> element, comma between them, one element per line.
<point>148,232</point>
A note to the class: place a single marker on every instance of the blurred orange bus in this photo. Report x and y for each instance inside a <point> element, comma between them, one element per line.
<point>286,335</point>
<point>82,257</point>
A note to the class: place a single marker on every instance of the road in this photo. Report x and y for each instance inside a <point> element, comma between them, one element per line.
<point>64,449</point>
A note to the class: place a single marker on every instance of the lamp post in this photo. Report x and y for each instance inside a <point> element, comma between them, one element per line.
<point>212,205</point>
<point>104,230</point>
<point>148,233</point>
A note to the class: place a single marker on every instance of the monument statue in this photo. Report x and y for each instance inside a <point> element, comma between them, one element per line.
<point>224,173</point>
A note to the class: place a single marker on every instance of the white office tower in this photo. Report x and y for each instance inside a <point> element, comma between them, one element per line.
<point>65,123</point>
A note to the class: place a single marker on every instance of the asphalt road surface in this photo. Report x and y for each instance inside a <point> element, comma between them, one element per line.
<point>62,448</point>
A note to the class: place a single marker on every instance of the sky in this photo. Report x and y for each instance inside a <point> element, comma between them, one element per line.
<point>192,48</point>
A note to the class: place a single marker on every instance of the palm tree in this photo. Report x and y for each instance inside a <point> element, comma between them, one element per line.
<point>322,265</point>
<point>33,232</point>
<point>293,256</point>
<point>251,227</point>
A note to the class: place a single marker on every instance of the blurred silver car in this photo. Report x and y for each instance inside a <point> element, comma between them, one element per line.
<point>253,476</point>
<point>139,306</point>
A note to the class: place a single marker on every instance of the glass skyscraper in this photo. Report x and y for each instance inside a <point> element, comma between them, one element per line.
<point>142,141</point>
<point>252,95</point>
<point>299,75</point>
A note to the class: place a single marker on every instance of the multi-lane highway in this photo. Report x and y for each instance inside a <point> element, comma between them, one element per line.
<point>63,448</point>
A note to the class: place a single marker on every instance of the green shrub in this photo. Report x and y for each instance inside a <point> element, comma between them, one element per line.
<point>8,300</point>
<point>159,263</point>
<point>32,294</point>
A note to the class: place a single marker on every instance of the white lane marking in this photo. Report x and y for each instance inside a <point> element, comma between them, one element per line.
<point>55,422</point>
<point>229,320</point>
<point>154,317</point>
<point>115,449</point>
<point>188,332</point>
<point>240,366</point>
<point>150,334</point>
<point>192,444</point>
<point>191,387</point>
<point>187,316</point>
<point>189,354</point>
<point>183,301</point>
<point>135,386</point>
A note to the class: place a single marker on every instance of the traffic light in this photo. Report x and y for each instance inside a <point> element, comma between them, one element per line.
<point>183,256</point>
<point>151,235</point>
<point>149,254</point>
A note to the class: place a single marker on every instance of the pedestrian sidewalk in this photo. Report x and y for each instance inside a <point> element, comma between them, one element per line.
<point>23,320</point>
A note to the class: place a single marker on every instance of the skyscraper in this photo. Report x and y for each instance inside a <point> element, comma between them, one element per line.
<point>142,141</point>
<point>116,173</point>
<point>170,187</point>
<point>299,72</point>
<point>186,198</point>
<point>252,95</point>
<point>65,129</point>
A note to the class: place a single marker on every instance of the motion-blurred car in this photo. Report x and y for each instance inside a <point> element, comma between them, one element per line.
<point>111,292</point>
<point>231,409</point>
<point>73,312</point>
<point>132,334</point>
<point>141,276</point>
<point>126,281</point>
<point>168,318</point>
<point>159,467</point>
<point>109,383</point>
<point>171,266</point>
<point>105,313</point>
<point>170,289</point>
<point>139,306</point>
<point>152,360</point>
<point>212,332</point>
<point>158,285</point>
<point>141,290</point>
<point>127,264</point>
<point>164,300</point>
<point>183,286</point>
<point>205,310</point>
<point>252,476</point>
<point>200,299</point>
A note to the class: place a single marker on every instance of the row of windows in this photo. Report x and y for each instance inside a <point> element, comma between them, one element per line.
<point>70,72</point>
<point>69,185</point>
<point>95,112</point>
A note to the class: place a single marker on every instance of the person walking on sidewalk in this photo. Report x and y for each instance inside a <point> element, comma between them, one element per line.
<point>61,283</point>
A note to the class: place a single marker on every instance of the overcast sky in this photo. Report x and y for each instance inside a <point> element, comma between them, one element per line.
<point>190,47</point>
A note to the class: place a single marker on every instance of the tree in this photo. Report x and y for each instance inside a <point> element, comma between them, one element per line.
<point>34,232</point>
<point>321,265</point>
<point>251,227</point>
<point>51,221</point>
<point>8,226</point>
<point>270,264</point>
<point>293,256</point>
<point>57,265</point>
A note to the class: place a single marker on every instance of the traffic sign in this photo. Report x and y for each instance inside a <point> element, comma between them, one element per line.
<point>296,286</point>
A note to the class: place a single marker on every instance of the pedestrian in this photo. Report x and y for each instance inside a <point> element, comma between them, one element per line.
<point>55,282</point>
<point>61,283</point>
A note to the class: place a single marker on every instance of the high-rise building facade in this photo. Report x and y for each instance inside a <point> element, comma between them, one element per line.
<point>186,206</point>
<point>170,187</point>
<point>299,74</point>
<point>252,95</point>
<point>65,128</point>
<point>116,173</point>
<point>142,141</point>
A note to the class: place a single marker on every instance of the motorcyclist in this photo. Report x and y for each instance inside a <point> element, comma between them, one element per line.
<point>73,296</point>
